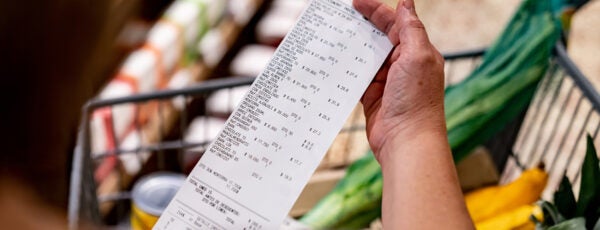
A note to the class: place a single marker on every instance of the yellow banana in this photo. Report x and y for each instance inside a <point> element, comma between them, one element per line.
<point>493,200</point>
<point>516,219</point>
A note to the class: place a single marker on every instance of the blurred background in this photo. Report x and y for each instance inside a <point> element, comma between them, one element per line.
<point>57,55</point>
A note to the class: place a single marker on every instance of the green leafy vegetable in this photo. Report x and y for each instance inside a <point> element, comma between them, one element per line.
<point>551,214</point>
<point>589,193</point>
<point>586,210</point>
<point>565,199</point>
<point>572,224</point>
<point>361,187</point>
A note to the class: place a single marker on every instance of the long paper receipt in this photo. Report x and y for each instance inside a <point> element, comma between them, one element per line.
<point>254,171</point>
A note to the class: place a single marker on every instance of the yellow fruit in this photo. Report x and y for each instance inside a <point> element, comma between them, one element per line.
<point>493,200</point>
<point>516,219</point>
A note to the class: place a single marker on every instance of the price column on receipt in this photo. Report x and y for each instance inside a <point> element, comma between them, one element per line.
<point>253,172</point>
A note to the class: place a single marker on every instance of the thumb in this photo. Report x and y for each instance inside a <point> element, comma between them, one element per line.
<point>412,31</point>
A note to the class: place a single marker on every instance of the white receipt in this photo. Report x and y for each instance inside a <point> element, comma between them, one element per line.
<point>253,172</point>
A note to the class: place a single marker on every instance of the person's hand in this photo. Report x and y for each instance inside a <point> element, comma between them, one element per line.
<point>406,96</point>
<point>404,106</point>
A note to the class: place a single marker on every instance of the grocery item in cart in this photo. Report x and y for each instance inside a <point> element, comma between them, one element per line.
<point>133,158</point>
<point>488,202</point>
<point>212,47</point>
<point>565,212</point>
<point>140,70</point>
<point>251,60</point>
<point>138,74</point>
<point>189,16</point>
<point>182,78</point>
<point>164,42</point>
<point>241,10</point>
<point>110,125</point>
<point>223,101</point>
<point>215,11</point>
<point>190,19</point>
<point>280,18</point>
<point>151,195</point>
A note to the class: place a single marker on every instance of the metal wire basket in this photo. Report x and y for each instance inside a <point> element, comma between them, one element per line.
<point>563,109</point>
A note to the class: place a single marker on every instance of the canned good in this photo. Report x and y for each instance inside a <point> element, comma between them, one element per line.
<point>150,197</point>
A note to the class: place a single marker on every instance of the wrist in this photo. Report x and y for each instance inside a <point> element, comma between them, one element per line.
<point>415,120</point>
<point>402,137</point>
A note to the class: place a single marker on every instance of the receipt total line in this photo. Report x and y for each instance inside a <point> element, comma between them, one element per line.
<point>200,214</point>
<point>235,201</point>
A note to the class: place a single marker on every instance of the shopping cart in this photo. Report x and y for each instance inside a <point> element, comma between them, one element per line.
<point>564,108</point>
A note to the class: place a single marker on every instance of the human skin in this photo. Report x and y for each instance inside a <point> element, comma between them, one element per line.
<point>404,106</point>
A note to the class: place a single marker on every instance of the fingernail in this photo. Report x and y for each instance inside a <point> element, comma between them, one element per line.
<point>408,4</point>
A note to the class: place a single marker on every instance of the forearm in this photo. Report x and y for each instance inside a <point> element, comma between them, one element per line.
<point>421,188</point>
